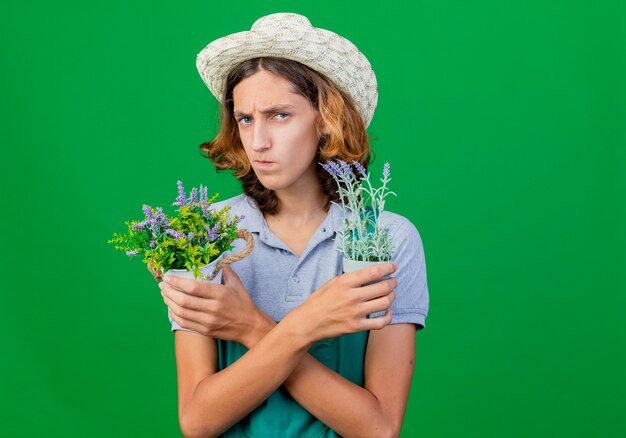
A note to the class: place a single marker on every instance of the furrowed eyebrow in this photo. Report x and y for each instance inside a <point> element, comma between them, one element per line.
<point>270,110</point>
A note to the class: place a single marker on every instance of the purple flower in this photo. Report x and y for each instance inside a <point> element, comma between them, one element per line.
<point>346,169</point>
<point>386,170</point>
<point>132,253</point>
<point>203,194</point>
<point>360,168</point>
<point>161,218</point>
<point>194,195</point>
<point>147,211</point>
<point>328,169</point>
<point>235,220</point>
<point>180,200</point>
<point>335,169</point>
<point>152,244</point>
<point>212,232</point>
<point>139,226</point>
<point>190,236</point>
<point>175,234</point>
<point>150,219</point>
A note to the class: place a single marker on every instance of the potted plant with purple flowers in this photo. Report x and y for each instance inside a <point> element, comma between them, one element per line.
<point>190,245</point>
<point>364,241</point>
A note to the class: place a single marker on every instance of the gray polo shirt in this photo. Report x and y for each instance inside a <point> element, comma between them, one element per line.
<point>278,280</point>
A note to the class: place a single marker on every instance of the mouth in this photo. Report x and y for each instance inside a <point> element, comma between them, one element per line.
<point>263,164</point>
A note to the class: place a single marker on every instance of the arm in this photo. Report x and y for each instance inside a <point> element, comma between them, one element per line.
<point>378,408</point>
<point>337,308</point>
<point>230,394</point>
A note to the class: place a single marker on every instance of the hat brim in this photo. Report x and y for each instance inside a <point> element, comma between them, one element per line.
<point>320,49</point>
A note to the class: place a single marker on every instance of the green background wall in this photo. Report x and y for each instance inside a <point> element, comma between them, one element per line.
<point>504,123</point>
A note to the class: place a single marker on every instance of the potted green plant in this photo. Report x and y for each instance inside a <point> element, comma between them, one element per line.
<point>364,241</point>
<point>191,244</point>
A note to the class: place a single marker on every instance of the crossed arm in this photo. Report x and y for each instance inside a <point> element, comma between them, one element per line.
<point>377,409</point>
<point>278,355</point>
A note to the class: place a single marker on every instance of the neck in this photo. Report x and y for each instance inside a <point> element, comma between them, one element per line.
<point>301,206</point>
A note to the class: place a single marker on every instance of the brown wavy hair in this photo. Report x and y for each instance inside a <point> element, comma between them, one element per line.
<point>348,139</point>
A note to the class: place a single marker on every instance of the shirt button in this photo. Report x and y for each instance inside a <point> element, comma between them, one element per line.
<point>295,280</point>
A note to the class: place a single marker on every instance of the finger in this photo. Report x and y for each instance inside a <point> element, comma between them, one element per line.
<point>186,285</point>
<point>190,325</point>
<point>183,299</point>
<point>191,287</point>
<point>376,290</point>
<point>377,305</point>
<point>185,313</point>
<point>369,274</point>
<point>377,323</point>
<point>230,278</point>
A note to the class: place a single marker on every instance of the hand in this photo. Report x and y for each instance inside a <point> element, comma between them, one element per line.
<point>341,305</point>
<point>223,311</point>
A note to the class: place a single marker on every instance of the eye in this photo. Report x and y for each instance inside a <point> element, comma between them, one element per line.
<point>241,118</point>
<point>283,114</point>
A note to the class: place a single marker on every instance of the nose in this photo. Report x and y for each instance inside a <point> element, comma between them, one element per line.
<point>261,138</point>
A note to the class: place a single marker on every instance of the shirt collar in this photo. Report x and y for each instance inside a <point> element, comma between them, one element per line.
<point>254,221</point>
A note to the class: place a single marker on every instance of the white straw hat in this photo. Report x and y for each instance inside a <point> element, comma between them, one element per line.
<point>292,36</point>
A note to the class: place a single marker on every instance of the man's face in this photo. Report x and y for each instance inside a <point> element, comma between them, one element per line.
<point>277,130</point>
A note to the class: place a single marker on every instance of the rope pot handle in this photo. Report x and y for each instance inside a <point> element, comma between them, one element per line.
<point>242,234</point>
